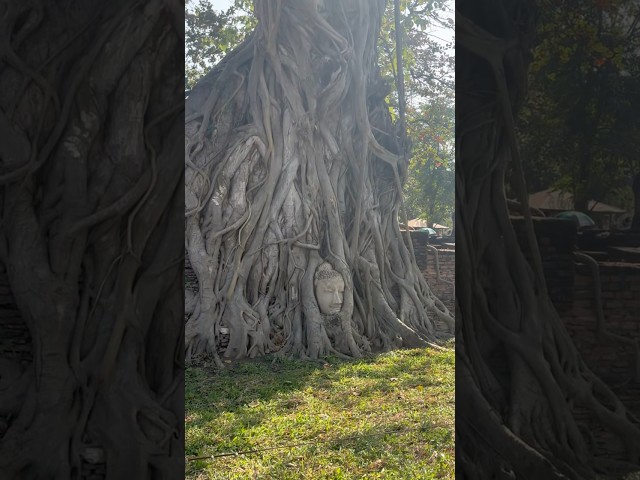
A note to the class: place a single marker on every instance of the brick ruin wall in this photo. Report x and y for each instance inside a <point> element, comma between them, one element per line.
<point>571,288</point>
<point>620,293</point>
<point>612,360</point>
<point>426,260</point>
<point>443,288</point>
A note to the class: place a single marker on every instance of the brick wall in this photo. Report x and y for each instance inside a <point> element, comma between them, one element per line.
<point>572,292</point>
<point>612,360</point>
<point>425,258</point>
<point>443,289</point>
<point>620,288</point>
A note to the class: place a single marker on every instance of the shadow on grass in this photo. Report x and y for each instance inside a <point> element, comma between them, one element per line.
<point>211,393</point>
<point>425,453</point>
<point>233,410</point>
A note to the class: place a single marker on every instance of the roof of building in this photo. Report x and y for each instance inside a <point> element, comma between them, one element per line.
<point>552,199</point>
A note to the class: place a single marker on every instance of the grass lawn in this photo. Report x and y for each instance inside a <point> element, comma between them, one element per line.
<point>341,411</point>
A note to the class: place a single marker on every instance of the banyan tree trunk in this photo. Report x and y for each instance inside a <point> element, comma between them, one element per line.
<point>91,181</point>
<point>292,160</point>
<point>521,386</point>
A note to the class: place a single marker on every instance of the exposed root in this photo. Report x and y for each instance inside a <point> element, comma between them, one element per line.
<point>91,183</point>
<point>287,167</point>
<point>516,363</point>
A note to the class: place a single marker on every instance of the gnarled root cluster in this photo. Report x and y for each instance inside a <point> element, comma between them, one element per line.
<point>528,406</point>
<point>90,184</point>
<point>292,160</point>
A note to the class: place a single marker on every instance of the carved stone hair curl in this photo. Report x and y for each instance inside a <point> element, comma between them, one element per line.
<point>324,271</point>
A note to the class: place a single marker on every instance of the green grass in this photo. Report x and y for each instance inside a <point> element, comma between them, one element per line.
<point>264,404</point>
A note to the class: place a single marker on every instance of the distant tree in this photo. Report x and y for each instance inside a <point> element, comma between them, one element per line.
<point>211,33</point>
<point>579,129</point>
<point>430,187</point>
<point>429,191</point>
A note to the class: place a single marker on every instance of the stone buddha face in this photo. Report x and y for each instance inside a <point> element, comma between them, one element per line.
<point>329,289</point>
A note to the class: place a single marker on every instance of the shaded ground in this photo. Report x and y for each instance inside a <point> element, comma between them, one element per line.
<point>264,404</point>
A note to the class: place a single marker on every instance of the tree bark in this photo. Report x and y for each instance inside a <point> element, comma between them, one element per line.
<point>292,159</point>
<point>520,382</point>
<point>91,177</point>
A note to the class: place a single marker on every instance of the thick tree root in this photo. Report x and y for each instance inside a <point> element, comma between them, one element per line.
<point>521,378</point>
<point>90,183</point>
<point>284,171</point>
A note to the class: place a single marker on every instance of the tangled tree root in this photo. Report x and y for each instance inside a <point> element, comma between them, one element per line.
<point>90,184</point>
<point>292,160</point>
<point>521,378</point>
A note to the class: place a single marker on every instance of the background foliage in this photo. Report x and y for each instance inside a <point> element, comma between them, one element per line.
<point>580,128</point>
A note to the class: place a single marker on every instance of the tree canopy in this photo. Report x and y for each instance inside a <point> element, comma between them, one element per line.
<point>579,128</point>
<point>429,85</point>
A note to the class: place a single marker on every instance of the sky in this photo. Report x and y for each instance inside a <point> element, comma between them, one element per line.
<point>221,4</point>
<point>445,34</point>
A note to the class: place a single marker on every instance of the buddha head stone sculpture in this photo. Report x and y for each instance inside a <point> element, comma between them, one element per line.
<point>329,289</point>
